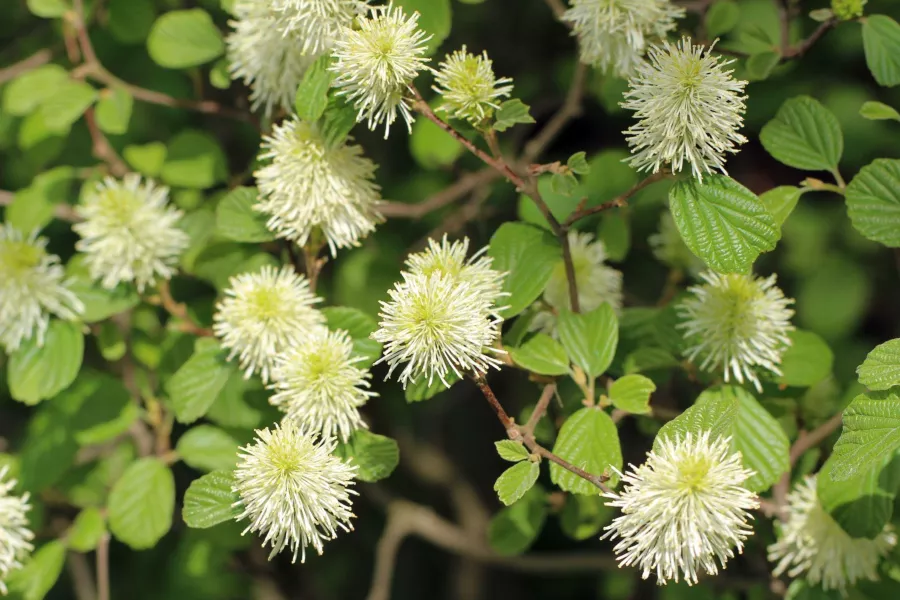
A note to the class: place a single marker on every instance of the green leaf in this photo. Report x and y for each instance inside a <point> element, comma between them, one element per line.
<point>237,220</point>
<point>881,369</point>
<point>420,389</point>
<point>101,408</point>
<point>432,147</point>
<point>510,113</point>
<point>101,303</point>
<point>37,373</point>
<point>578,163</point>
<point>130,21</point>
<point>760,65</point>
<point>194,160</point>
<point>210,500</point>
<point>871,433</point>
<point>873,201</point>
<point>881,42</point>
<point>583,516</point>
<point>70,100</point>
<point>528,256</point>
<point>114,111</point>
<point>781,201</point>
<point>804,135</point>
<point>87,529</point>
<point>49,9</point>
<point>807,361</point>
<point>33,207</point>
<point>590,338</point>
<point>359,326</point>
<point>631,393</point>
<point>730,411</point>
<point>864,503</point>
<point>25,94</point>
<point>37,578</point>
<point>376,455</point>
<point>207,448</point>
<point>511,451</point>
<point>184,38</point>
<point>878,111</point>
<point>141,503</point>
<point>434,18</point>
<point>195,386</point>
<point>516,480</point>
<point>722,222</point>
<point>800,589</point>
<point>147,159</point>
<point>721,18</point>
<point>312,93</point>
<point>541,354</point>
<point>49,449</point>
<point>589,440</point>
<point>513,529</point>
<point>338,120</point>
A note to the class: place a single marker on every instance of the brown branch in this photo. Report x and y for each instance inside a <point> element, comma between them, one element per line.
<point>452,193</point>
<point>802,48</point>
<point>82,578</point>
<point>540,408</point>
<point>39,58</point>
<point>617,202</point>
<point>103,568</point>
<point>508,422</point>
<point>179,311</point>
<point>102,149</point>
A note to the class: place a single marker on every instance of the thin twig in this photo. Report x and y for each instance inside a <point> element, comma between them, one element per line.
<point>617,202</point>
<point>82,578</point>
<point>448,195</point>
<point>39,58</point>
<point>179,311</point>
<point>558,8</point>
<point>804,46</point>
<point>103,568</point>
<point>540,408</point>
<point>102,149</point>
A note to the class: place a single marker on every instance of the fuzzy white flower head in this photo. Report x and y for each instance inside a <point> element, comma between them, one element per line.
<point>669,248</point>
<point>468,86</point>
<point>311,184</point>
<point>130,232</point>
<point>812,544</point>
<point>15,535</point>
<point>293,489</point>
<point>263,314</point>
<point>437,324</point>
<point>320,386</point>
<point>268,59</point>
<point>449,258</point>
<point>597,282</point>
<point>685,507</point>
<point>317,23</point>
<point>736,323</point>
<point>689,109</point>
<point>377,62</point>
<point>33,286</point>
<point>613,34</point>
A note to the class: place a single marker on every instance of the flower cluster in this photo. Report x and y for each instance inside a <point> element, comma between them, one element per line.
<point>613,34</point>
<point>377,61</point>
<point>443,315</point>
<point>468,86</point>
<point>312,184</point>
<point>814,546</point>
<point>130,232</point>
<point>33,286</point>
<point>683,509</point>
<point>316,24</point>
<point>689,109</point>
<point>597,283</point>
<point>736,323</point>
<point>293,489</point>
<point>15,535</point>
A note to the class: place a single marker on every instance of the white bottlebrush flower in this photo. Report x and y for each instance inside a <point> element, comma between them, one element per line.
<point>263,314</point>
<point>320,386</point>
<point>685,507</point>
<point>689,109</point>
<point>468,86</point>
<point>317,23</point>
<point>15,535</point>
<point>268,59</point>
<point>311,184</point>
<point>33,286</point>
<point>597,282</point>
<point>293,490</point>
<point>130,232</point>
<point>812,544</point>
<point>437,324</point>
<point>613,34</point>
<point>449,258</point>
<point>669,248</point>
<point>376,62</point>
<point>736,323</point>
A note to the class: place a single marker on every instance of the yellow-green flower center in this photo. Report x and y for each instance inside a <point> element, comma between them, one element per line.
<point>19,257</point>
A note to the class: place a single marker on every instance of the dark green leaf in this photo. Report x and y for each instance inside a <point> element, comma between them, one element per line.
<point>871,434</point>
<point>590,338</point>
<point>375,455</point>
<point>528,256</point>
<point>237,220</point>
<point>141,503</point>
<point>196,385</point>
<point>312,94</point>
<point>514,529</point>
<point>37,373</point>
<point>873,201</point>
<point>194,160</point>
<point>210,500</point>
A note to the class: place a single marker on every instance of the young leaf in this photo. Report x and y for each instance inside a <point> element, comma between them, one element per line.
<point>807,361</point>
<point>541,354</point>
<point>60,111</point>
<point>631,393</point>
<point>312,94</point>
<point>37,373</point>
<point>28,91</point>
<point>871,433</point>
<point>185,38</point>
<point>528,256</point>
<point>237,220</point>
<point>589,440</point>
<point>48,9</point>
<point>878,111</point>
<point>195,386</point>
<point>375,455</point>
<point>512,112</point>
<point>804,135</point>
<point>87,529</point>
<point>511,451</point>
<point>210,500</point>
<point>207,448</point>
<point>194,159</point>
<point>114,111</point>
<point>781,201</point>
<point>722,222</point>
<point>881,42</point>
<point>35,580</point>
<point>578,163</point>
<point>590,338</point>
<point>141,503</point>
<point>881,369</point>
<point>873,201</point>
<point>516,480</point>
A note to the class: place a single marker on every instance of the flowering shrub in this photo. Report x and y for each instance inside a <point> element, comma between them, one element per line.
<point>271,272</point>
